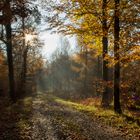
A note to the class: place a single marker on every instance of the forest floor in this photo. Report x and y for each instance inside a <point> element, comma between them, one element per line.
<point>46,117</point>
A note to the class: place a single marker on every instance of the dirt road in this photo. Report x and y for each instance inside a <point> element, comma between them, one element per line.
<point>55,121</point>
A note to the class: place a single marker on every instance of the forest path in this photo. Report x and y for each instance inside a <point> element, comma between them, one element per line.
<point>53,120</point>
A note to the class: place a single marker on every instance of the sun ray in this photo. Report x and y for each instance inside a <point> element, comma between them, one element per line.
<point>28,37</point>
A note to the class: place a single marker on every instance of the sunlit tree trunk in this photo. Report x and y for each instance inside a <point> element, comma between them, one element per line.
<point>117,106</point>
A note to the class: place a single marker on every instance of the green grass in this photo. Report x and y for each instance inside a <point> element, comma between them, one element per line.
<point>77,106</point>
<point>106,116</point>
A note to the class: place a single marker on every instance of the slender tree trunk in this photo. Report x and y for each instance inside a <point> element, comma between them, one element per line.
<point>7,12</point>
<point>2,31</point>
<point>85,79</point>
<point>98,76</point>
<point>105,98</point>
<point>24,64</point>
<point>117,106</point>
<point>24,71</point>
<point>10,61</point>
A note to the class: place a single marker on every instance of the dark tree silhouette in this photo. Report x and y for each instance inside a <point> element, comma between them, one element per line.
<point>117,106</point>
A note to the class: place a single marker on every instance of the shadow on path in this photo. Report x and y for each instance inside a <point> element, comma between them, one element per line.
<point>13,120</point>
<point>55,121</point>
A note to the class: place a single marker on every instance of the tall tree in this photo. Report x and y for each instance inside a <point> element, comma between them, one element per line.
<point>8,13</point>
<point>105,98</point>
<point>117,106</point>
<point>24,57</point>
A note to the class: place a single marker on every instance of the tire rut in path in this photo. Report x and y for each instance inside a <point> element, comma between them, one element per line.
<point>42,127</point>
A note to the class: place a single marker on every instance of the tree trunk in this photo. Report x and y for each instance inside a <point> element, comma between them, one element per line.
<point>24,63</point>
<point>105,98</point>
<point>85,71</point>
<point>7,12</point>
<point>10,61</point>
<point>97,93</point>
<point>117,106</point>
